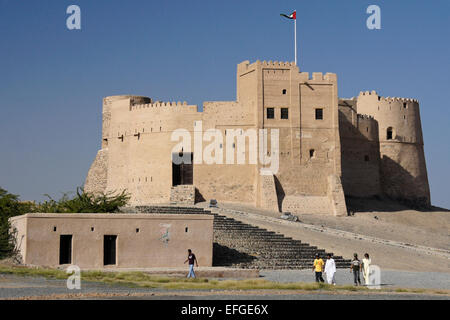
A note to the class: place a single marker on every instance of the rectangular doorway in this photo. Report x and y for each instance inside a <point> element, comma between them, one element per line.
<point>65,249</point>
<point>183,173</point>
<point>109,249</point>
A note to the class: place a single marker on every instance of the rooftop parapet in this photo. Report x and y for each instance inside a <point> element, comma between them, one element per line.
<point>171,105</point>
<point>277,64</point>
<point>389,99</point>
<point>319,76</point>
<point>246,65</point>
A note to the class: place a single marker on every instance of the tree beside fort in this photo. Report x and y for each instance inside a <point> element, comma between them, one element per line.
<point>82,202</point>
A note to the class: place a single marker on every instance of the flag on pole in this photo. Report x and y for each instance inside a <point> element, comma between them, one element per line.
<point>292,16</point>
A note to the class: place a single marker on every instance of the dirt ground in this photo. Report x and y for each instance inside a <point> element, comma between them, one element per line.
<point>429,229</point>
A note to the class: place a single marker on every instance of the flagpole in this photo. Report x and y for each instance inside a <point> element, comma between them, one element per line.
<point>295,35</point>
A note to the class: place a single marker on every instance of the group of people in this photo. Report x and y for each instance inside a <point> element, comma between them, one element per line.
<point>329,267</point>
<point>357,266</point>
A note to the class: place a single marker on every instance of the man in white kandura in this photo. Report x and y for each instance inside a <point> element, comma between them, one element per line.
<point>366,268</point>
<point>330,270</point>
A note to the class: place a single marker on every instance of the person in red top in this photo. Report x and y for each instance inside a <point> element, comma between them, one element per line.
<point>191,258</point>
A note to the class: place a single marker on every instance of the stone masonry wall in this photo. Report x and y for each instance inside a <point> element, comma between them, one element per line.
<point>183,194</point>
<point>98,173</point>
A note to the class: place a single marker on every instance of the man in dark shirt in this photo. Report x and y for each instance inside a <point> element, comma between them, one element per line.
<point>191,258</point>
<point>356,268</point>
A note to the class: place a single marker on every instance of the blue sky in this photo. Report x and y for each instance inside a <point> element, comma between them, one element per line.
<point>52,80</point>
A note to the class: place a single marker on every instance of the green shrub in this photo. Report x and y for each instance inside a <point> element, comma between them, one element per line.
<point>10,206</point>
<point>84,202</point>
<point>6,240</point>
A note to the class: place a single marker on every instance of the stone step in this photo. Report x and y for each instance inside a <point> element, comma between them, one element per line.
<point>242,245</point>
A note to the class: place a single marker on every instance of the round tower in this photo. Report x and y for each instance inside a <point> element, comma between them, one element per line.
<point>403,169</point>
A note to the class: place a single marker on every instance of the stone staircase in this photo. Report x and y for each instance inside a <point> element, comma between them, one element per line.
<point>240,245</point>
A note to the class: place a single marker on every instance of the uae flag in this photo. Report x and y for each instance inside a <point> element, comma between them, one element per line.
<point>292,16</point>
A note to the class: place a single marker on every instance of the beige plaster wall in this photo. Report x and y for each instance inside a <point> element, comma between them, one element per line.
<point>403,168</point>
<point>144,249</point>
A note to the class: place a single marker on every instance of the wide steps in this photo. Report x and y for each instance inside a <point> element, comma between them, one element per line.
<point>237,244</point>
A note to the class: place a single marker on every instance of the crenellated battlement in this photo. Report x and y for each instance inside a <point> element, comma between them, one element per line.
<point>246,66</point>
<point>170,105</point>
<point>388,99</point>
<point>319,76</point>
<point>277,64</point>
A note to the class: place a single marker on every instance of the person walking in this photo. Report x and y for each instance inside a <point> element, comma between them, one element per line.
<point>356,268</point>
<point>366,262</point>
<point>191,259</point>
<point>318,268</point>
<point>330,270</point>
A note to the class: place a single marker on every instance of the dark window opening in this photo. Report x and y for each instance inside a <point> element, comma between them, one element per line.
<point>284,113</point>
<point>137,230</point>
<point>312,153</point>
<point>54,229</point>
<point>319,114</point>
<point>270,113</point>
<point>109,249</point>
<point>182,174</point>
<point>389,134</point>
<point>405,105</point>
<point>284,91</point>
<point>65,249</point>
<point>186,229</point>
<point>92,229</point>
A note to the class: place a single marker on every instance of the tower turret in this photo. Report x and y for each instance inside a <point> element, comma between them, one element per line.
<point>403,167</point>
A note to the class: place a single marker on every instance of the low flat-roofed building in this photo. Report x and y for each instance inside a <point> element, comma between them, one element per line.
<point>96,241</point>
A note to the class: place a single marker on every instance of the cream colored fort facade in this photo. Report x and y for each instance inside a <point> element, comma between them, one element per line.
<point>328,148</point>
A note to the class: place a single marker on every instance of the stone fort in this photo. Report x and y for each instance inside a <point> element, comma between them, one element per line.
<point>329,148</point>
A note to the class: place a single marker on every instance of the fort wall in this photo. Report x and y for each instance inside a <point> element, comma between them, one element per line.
<point>403,167</point>
<point>327,147</point>
<point>360,152</point>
